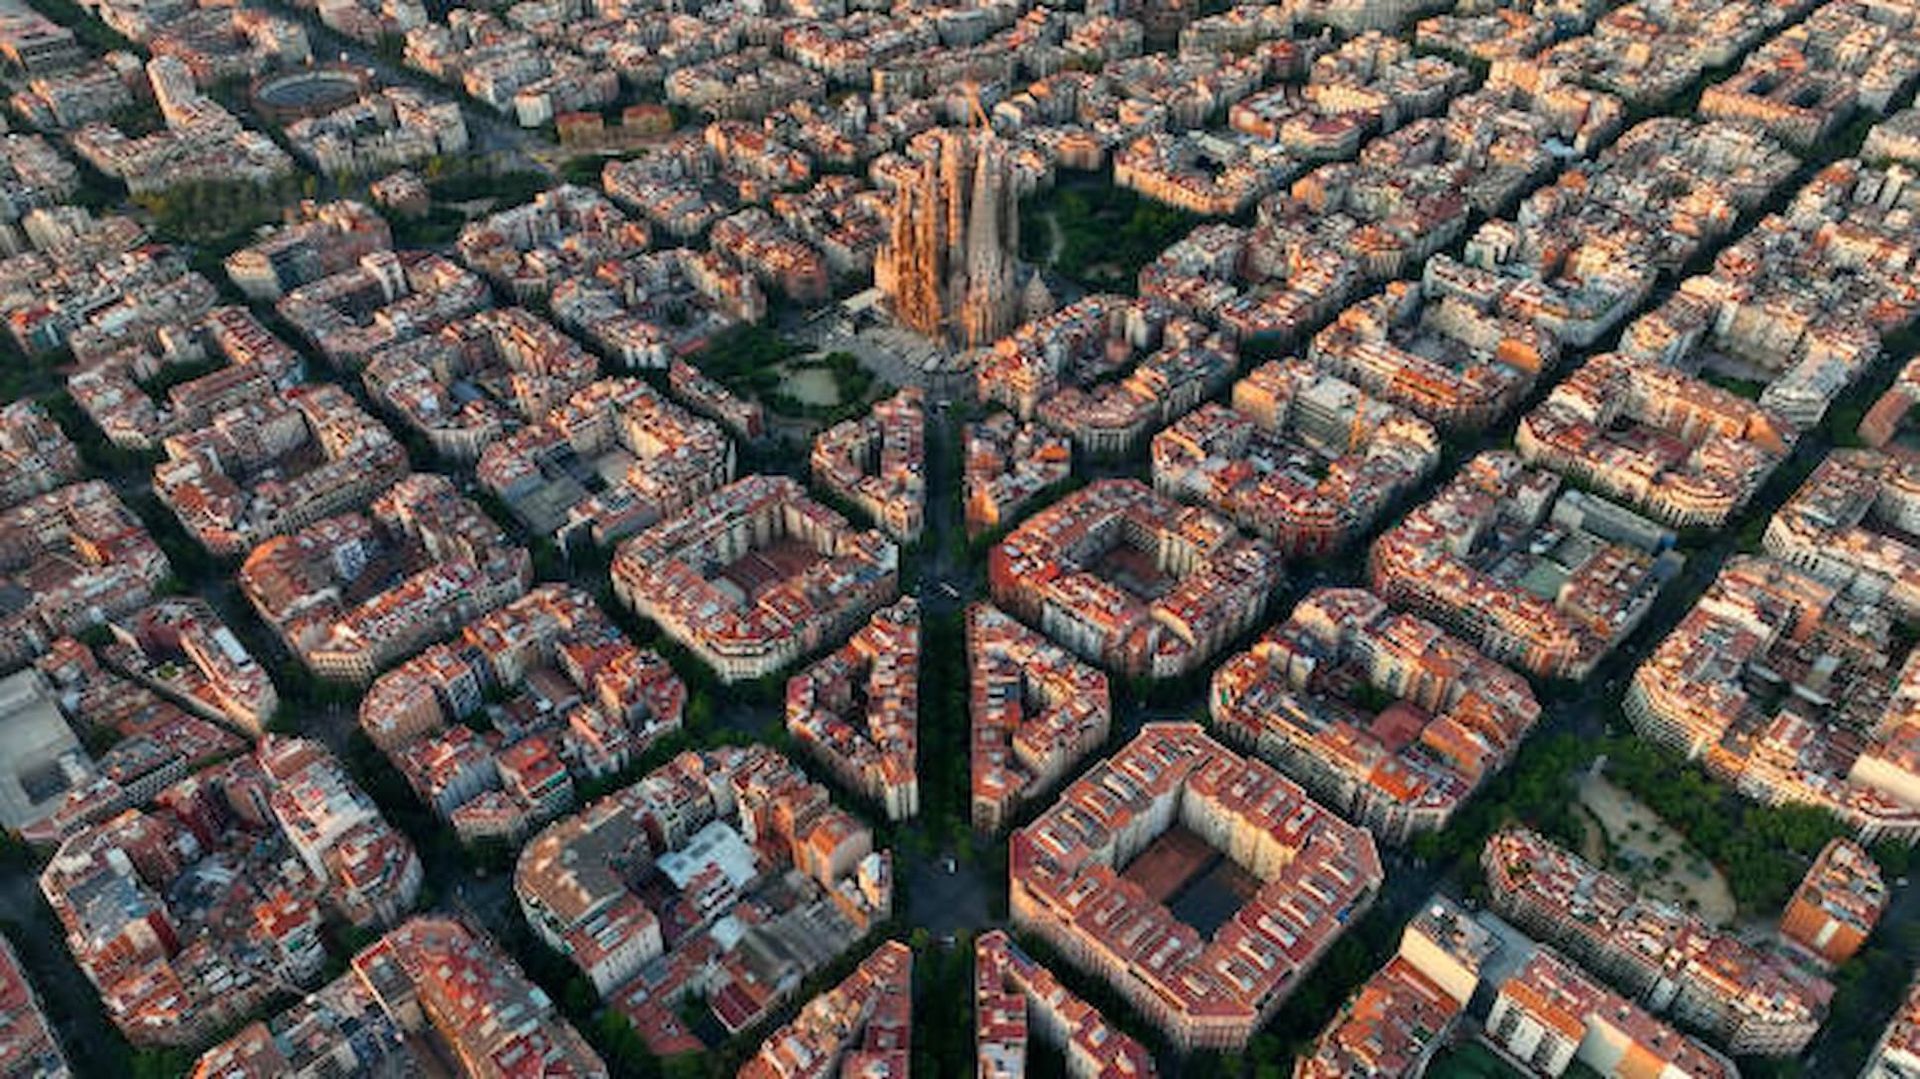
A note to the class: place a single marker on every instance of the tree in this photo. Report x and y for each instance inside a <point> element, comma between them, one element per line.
<point>699,713</point>
<point>684,1066</point>
<point>579,999</point>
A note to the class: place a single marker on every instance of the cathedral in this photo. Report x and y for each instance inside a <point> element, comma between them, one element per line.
<point>950,260</point>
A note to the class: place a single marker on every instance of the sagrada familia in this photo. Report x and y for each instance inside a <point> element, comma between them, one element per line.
<point>950,260</point>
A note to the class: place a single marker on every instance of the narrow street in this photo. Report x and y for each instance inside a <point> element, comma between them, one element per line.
<point>72,1005</point>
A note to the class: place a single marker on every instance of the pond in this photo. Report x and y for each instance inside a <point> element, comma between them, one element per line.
<point>812,386</point>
